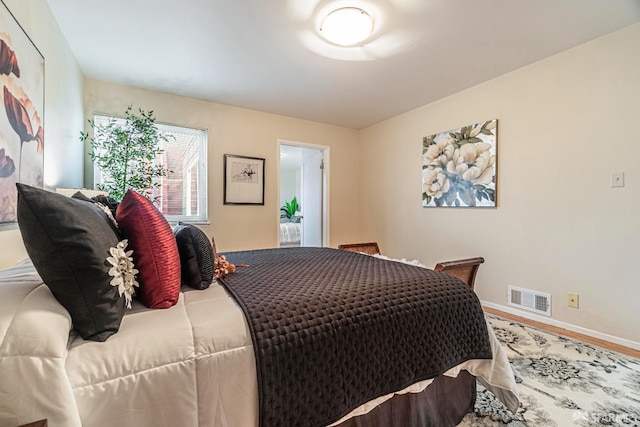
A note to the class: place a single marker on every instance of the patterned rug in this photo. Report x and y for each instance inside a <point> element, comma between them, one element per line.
<point>562,382</point>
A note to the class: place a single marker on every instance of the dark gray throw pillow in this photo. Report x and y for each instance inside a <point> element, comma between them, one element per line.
<point>109,202</point>
<point>106,203</point>
<point>69,241</point>
<point>196,256</point>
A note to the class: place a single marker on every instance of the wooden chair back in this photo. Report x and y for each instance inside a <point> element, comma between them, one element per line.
<point>463,269</point>
<point>367,248</point>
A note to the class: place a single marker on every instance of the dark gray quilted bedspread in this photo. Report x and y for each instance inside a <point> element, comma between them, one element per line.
<point>334,329</point>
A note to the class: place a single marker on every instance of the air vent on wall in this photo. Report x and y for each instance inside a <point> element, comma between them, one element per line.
<point>535,301</point>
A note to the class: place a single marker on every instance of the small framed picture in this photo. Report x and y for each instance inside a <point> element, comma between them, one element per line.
<point>243,180</point>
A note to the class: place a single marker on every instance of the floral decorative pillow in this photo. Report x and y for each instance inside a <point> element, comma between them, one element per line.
<point>76,250</point>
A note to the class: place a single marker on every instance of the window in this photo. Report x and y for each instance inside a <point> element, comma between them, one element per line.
<point>182,195</point>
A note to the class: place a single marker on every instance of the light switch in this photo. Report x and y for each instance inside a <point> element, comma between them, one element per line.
<point>617,179</point>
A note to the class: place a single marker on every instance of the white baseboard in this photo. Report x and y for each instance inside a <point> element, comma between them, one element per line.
<point>552,322</point>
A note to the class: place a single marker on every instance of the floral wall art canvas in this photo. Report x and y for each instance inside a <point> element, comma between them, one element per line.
<point>21,113</point>
<point>459,167</point>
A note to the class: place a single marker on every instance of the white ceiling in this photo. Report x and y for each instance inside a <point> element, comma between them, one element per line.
<point>267,55</point>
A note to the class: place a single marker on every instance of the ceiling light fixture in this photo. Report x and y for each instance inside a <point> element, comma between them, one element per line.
<point>347,26</point>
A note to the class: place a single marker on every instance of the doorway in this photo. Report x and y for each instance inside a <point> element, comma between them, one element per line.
<point>303,176</point>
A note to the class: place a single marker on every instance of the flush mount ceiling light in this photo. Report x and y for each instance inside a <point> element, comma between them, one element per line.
<point>347,26</point>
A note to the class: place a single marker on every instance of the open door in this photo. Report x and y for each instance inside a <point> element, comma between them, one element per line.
<point>311,197</point>
<point>303,175</point>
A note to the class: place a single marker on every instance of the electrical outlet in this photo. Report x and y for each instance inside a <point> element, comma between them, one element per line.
<point>617,179</point>
<point>572,300</point>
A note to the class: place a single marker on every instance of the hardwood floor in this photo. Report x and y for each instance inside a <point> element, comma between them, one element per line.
<point>566,333</point>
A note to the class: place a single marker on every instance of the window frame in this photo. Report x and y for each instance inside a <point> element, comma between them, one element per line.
<point>201,159</point>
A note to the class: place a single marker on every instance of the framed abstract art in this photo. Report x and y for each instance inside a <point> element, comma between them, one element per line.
<point>21,113</point>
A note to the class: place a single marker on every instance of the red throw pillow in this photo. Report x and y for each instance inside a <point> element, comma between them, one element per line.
<point>155,251</point>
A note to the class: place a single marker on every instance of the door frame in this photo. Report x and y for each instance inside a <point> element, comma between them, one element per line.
<point>325,184</point>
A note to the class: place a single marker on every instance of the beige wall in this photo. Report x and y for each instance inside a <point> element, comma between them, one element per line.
<point>234,130</point>
<point>63,115</point>
<point>565,123</point>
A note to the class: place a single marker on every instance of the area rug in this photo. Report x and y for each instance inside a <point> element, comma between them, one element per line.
<point>561,382</point>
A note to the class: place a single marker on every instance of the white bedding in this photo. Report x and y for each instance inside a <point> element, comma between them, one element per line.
<point>189,365</point>
<point>289,233</point>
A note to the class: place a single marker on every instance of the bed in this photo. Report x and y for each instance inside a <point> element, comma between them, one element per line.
<point>289,234</point>
<point>302,337</point>
<point>190,365</point>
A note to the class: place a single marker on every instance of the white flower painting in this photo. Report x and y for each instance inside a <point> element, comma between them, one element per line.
<point>459,167</point>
